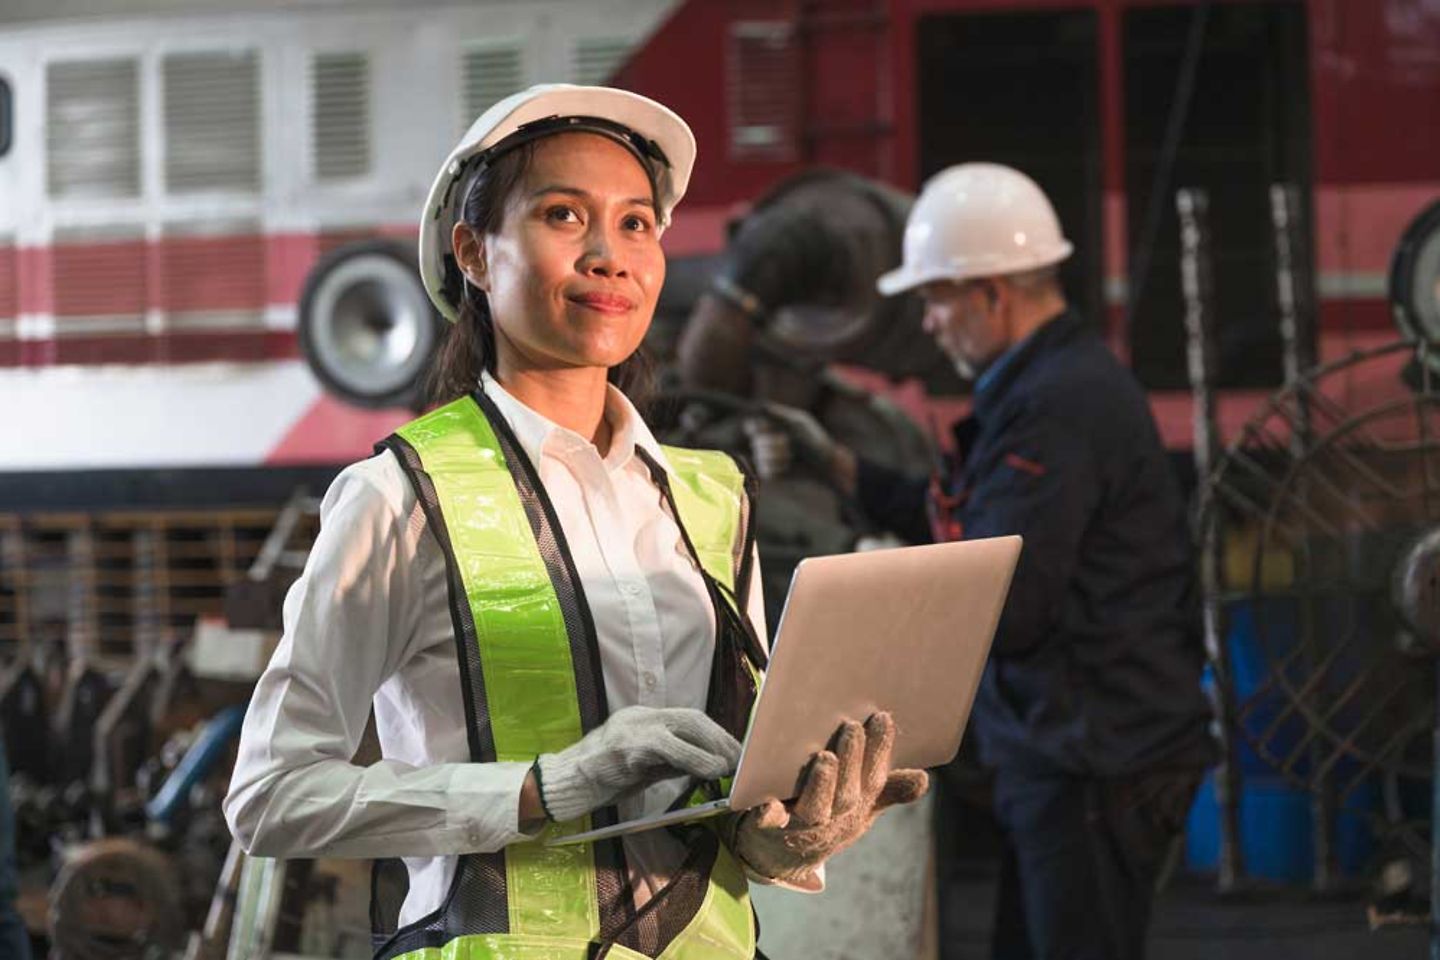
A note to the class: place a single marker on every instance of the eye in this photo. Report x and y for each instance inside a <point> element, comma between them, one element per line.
<point>560,213</point>
<point>638,223</point>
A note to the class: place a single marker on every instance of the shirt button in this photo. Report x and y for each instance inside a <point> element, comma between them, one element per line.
<point>629,587</point>
<point>473,836</point>
<point>649,679</point>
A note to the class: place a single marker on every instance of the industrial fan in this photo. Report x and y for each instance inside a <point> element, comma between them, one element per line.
<point>1323,523</point>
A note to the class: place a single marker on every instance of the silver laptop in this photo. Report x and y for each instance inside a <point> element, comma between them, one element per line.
<point>905,630</point>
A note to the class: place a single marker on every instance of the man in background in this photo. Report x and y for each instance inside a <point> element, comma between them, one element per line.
<point>1090,712</point>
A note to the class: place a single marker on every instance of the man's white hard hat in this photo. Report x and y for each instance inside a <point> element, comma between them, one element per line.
<point>976,220</point>
<point>661,141</point>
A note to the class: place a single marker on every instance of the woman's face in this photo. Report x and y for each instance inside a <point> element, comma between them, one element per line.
<point>575,269</point>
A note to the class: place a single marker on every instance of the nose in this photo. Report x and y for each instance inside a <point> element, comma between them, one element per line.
<point>601,257</point>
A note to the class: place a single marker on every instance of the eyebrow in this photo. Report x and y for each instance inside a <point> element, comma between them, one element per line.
<point>585,195</point>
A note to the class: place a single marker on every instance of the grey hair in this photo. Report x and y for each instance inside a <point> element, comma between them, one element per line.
<point>1038,281</point>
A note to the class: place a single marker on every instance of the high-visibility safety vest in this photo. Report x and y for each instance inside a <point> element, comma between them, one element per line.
<point>531,681</point>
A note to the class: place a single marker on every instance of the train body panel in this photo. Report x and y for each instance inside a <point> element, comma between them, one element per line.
<point>174,177</point>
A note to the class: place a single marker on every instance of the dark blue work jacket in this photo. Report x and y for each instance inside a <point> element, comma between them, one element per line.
<point>1097,661</point>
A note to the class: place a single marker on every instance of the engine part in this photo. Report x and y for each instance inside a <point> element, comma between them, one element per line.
<point>87,690</point>
<point>1416,590</point>
<point>803,264</point>
<point>115,899</point>
<point>254,602</point>
<point>366,325</point>
<point>22,709</point>
<point>1415,280</point>
<point>209,748</point>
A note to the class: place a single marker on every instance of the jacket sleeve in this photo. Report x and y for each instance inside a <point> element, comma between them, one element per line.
<point>1040,479</point>
<point>893,500</point>
<point>349,623</point>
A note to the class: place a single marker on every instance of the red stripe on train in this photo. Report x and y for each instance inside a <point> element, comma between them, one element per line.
<point>250,346</point>
<point>172,274</point>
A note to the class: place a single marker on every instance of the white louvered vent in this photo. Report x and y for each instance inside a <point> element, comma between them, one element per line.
<point>92,129</point>
<point>762,86</point>
<point>596,60</point>
<point>491,75</point>
<point>212,121</point>
<point>340,111</point>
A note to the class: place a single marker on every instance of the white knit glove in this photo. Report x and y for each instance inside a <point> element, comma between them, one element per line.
<point>635,747</point>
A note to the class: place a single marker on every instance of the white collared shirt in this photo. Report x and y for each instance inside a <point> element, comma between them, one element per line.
<point>369,621</point>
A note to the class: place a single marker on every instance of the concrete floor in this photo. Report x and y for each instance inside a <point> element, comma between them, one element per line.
<point>1193,923</point>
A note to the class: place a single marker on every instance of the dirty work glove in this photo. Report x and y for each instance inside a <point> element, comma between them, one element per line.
<point>843,794</point>
<point>635,747</point>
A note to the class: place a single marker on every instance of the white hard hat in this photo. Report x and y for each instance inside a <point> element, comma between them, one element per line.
<point>654,133</point>
<point>976,220</point>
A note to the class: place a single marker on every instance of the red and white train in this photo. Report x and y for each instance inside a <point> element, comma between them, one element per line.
<point>170,178</point>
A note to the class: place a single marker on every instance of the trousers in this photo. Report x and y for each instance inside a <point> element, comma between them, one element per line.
<point>1079,861</point>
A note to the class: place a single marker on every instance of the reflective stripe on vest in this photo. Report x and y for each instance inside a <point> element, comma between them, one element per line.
<point>532,684</point>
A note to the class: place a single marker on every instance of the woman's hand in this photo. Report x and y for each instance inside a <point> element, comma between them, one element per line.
<point>635,747</point>
<point>843,794</point>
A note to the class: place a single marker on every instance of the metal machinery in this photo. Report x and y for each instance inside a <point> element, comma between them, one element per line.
<point>118,721</point>
<point>1320,526</point>
<point>366,325</point>
<point>798,274</point>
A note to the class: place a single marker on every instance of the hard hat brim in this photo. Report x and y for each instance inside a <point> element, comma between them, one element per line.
<point>904,279</point>
<point>646,117</point>
<point>901,280</point>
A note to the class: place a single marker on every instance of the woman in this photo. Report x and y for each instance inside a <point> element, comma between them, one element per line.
<point>552,614</point>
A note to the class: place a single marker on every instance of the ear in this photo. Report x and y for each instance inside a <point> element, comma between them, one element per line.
<point>469,249</point>
<point>997,291</point>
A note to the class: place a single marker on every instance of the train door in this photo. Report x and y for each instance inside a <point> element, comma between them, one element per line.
<point>1243,124</point>
<point>1021,89</point>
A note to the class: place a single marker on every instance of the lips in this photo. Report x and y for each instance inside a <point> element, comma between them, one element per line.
<point>603,302</point>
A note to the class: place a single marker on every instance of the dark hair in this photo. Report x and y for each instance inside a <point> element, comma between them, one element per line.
<point>468,347</point>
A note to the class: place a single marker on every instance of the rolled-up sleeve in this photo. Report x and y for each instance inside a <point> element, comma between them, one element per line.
<point>349,624</point>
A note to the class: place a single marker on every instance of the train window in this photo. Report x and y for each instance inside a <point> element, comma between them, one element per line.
<point>92,128</point>
<point>596,60</point>
<point>212,121</point>
<point>5,116</point>
<point>763,89</point>
<point>490,74</point>
<point>340,115</point>
<point>1047,126</point>
<point>1246,127</point>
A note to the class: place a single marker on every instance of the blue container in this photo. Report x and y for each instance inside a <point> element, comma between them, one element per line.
<point>1275,830</point>
<point>1275,816</point>
<point>1249,666</point>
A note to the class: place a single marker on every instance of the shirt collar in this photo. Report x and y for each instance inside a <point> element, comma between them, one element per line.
<point>992,373</point>
<point>539,434</point>
<point>996,378</point>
